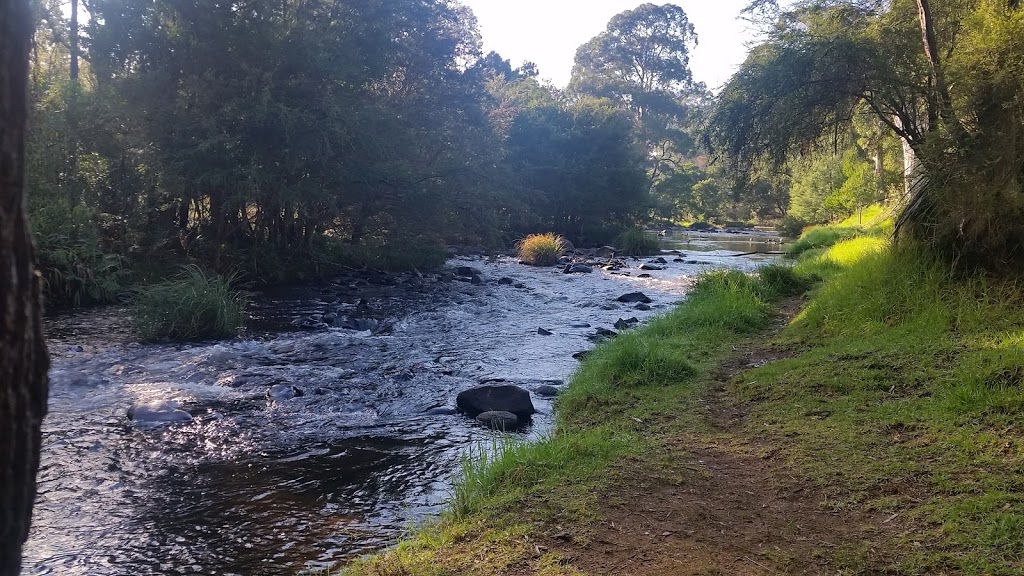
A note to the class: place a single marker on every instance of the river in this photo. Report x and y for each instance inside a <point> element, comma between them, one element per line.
<point>260,486</point>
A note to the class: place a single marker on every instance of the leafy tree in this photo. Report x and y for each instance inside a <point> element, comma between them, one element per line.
<point>642,61</point>
<point>577,171</point>
<point>941,76</point>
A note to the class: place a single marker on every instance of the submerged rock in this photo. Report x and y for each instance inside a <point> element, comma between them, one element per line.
<point>467,271</point>
<point>577,269</point>
<point>283,392</point>
<point>624,324</point>
<point>642,307</point>
<point>441,411</point>
<point>650,267</point>
<point>546,390</point>
<point>500,398</point>
<point>498,420</point>
<point>544,332</point>
<point>506,280</point>
<point>157,412</point>
<point>634,297</point>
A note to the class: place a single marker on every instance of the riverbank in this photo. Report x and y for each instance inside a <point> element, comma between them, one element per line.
<point>870,426</point>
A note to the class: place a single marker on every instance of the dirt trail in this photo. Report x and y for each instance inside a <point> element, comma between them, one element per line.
<point>734,509</point>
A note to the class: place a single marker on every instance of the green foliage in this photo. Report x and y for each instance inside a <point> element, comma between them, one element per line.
<point>952,101</point>
<point>792,227</point>
<point>192,306</point>
<point>815,182</point>
<point>541,249</point>
<point>636,242</point>
<point>578,172</point>
<point>75,270</point>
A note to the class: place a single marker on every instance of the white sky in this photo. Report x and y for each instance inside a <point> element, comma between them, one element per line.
<point>548,32</point>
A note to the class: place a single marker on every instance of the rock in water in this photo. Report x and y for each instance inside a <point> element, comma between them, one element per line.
<point>467,271</point>
<point>506,280</point>
<point>577,269</point>
<point>544,332</point>
<point>625,324</point>
<point>643,307</point>
<point>154,412</point>
<point>650,267</point>
<point>498,420</point>
<point>441,411</point>
<point>500,398</point>
<point>546,390</point>
<point>659,260</point>
<point>283,392</point>
<point>634,297</point>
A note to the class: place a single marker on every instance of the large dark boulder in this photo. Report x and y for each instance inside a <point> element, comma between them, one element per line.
<point>497,398</point>
<point>635,297</point>
<point>467,271</point>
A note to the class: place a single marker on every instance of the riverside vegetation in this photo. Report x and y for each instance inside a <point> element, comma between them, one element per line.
<point>887,393</point>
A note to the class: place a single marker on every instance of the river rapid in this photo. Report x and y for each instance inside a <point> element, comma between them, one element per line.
<point>255,485</point>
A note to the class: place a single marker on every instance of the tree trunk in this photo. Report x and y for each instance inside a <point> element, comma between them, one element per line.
<point>74,41</point>
<point>23,357</point>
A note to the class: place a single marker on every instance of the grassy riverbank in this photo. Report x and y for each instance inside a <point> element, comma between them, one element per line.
<point>874,425</point>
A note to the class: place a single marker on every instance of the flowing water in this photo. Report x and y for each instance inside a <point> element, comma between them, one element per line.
<point>258,485</point>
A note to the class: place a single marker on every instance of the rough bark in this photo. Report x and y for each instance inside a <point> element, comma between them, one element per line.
<point>23,357</point>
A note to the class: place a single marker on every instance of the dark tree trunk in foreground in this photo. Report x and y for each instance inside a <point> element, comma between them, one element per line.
<point>23,357</point>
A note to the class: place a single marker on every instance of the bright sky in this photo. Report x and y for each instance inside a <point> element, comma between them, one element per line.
<point>548,32</point>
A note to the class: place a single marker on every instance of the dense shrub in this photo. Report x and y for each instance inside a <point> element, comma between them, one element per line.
<point>192,306</point>
<point>541,249</point>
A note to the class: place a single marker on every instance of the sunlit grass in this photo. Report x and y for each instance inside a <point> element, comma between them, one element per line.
<point>541,249</point>
<point>920,376</point>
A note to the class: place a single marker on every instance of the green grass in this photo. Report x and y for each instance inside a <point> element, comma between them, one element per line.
<point>192,306</point>
<point>636,242</point>
<point>876,223</point>
<point>541,249</point>
<point>921,376</point>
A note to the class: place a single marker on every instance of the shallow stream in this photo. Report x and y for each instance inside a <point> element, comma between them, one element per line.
<point>260,486</point>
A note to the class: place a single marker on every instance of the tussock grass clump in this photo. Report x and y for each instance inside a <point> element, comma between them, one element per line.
<point>635,360</point>
<point>192,306</point>
<point>636,242</point>
<point>541,249</point>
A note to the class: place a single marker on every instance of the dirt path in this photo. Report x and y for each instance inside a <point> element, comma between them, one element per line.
<point>734,508</point>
